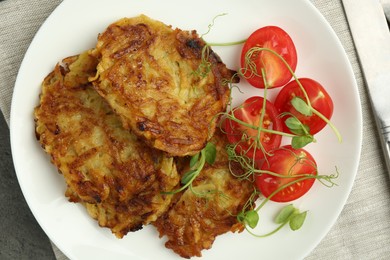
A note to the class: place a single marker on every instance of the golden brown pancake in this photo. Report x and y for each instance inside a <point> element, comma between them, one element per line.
<point>147,73</point>
<point>194,221</point>
<point>106,168</point>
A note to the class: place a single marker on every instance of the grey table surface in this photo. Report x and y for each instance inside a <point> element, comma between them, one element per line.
<point>362,230</point>
<point>21,237</point>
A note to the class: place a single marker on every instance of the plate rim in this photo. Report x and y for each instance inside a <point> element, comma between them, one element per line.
<point>53,15</point>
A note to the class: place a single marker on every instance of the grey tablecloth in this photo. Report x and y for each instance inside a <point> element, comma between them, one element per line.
<point>363,228</point>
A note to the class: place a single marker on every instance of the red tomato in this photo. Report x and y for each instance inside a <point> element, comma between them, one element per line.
<point>319,99</point>
<point>277,73</point>
<point>287,161</point>
<point>245,137</point>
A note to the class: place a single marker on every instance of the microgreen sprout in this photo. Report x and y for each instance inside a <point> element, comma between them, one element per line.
<point>205,65</point>
<point>289,214</point>
<point>197,162</point>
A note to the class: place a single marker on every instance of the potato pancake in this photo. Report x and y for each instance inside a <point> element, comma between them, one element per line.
<point>106,168</point>
<point>148,74</point>
<point>194,220</point>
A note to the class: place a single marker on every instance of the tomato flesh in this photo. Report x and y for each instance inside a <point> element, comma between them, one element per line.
<point>319,99</point>
<point>287,161</point>
<point>246,137</point>
<point>277,73</point>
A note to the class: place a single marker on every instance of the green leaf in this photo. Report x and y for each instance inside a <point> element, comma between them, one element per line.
<point>293,123</point>
<point>300,105</point>
<point>296,126</point>
<point>298,131</point>
<point>306,129</point>
<point>210,153</point>
<point>241,217</point>
<point>251,218</point>
<point>301,141</point>
<point>194,160</point>
<point>188,176</point>
<point>285,214</point>
<point>297,221</point>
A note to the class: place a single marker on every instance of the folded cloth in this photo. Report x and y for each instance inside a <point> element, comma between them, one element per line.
<point>19,22</point>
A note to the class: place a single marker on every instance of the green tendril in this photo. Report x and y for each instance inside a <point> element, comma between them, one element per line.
<point>211,25</point>
<point>225,44</point>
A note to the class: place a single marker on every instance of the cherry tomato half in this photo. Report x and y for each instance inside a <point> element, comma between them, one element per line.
<point>319,99</point>
<point>287,161</point>
<point>277,73</point>
<point>245,137</point>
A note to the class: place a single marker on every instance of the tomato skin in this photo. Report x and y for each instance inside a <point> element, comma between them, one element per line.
<point>319,98</point>
<point>250,112</point>
<point>277,74</point>
<point>284,161</point>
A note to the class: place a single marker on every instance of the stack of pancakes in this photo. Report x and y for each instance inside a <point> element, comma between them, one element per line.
<point>120,121</point>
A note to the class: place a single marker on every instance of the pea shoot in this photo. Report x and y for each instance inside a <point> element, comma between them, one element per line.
<point>197,162</point>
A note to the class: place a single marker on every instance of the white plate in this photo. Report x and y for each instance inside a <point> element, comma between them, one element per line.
<point>73,27</point>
